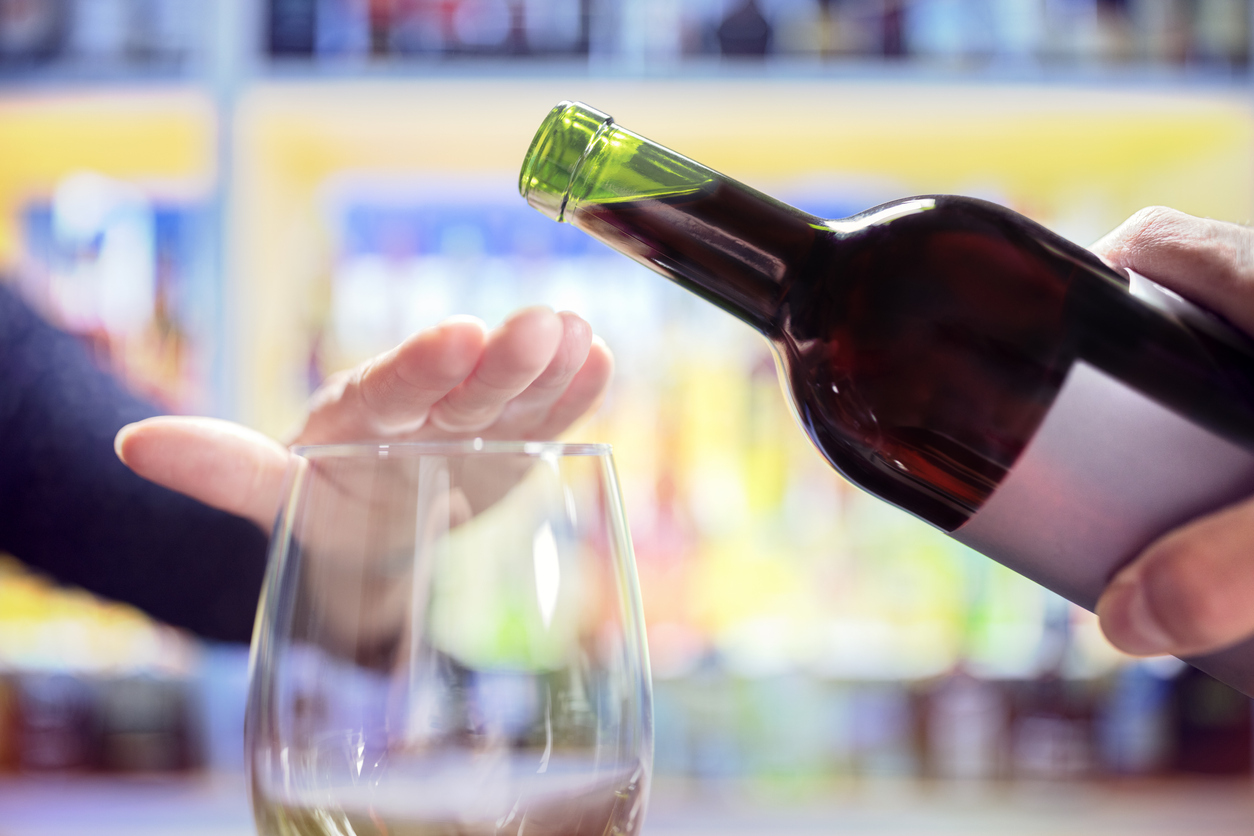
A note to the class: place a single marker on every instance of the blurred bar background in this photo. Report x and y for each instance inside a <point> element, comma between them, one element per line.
<point>230,200</point>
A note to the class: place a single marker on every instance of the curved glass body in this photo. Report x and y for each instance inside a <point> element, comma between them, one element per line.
<point>450,641</point>
<point>922,341</point>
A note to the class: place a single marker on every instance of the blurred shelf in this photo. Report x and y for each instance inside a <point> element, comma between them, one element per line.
<point>195,805</point>
<point>218,806</point>
<point>436,67</point>
<point>81,75</point>
<point>875,807</point>
<point>732,69</point>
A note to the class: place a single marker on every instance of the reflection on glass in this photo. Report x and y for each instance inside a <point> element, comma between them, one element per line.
<point>450,641</point>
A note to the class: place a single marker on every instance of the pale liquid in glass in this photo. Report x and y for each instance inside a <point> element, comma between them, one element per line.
<point>461,803</point>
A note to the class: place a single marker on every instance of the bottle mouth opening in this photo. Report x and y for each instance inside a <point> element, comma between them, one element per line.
<point>526,181</point>
<point>556,152</point>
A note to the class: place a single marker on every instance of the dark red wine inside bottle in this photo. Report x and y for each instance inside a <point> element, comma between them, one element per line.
<point>947,354</point>
<point>924,352</point>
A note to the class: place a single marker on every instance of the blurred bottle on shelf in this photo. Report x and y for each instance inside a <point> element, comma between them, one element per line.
<point>90,685</point>
<point>1134,722</point>
<point>893,29</point>
<point>1051,736</point>
<point>291,28</point>
<point>32,32</point>
<point>89,36</point>
<point>966,728</point>
<point>218,697</point>
<point>57,729</point>
<point>744,32</point>
<point>882,730</point>
<point>1213,734</point>
<point>342,29</point>
<point>555,27</point>
<point>144,724</point>
<point>357,30</point>
<point>62,722</point>
<point>966,717</point>
<point>1084,35</point>
<point>9,730</point>
<point>1211,36</point>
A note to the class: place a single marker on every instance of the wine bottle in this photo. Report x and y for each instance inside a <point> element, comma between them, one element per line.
<point>946,354</point>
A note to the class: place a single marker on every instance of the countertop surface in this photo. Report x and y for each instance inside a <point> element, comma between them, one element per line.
<point>218,806</point>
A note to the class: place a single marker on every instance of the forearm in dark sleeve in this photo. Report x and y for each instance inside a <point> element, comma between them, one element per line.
<point>69,507</point>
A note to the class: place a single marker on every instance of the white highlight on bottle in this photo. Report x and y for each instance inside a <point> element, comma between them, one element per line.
<point>888,213</point>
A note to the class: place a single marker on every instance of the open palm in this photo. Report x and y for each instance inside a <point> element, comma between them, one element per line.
<point>529,379</point>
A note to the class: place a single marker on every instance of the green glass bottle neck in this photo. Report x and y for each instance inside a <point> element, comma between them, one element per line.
<point>579,155</point>
<point>716,237</point>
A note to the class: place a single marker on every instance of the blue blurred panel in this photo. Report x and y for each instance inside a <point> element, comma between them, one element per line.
<point>188,310</point>
<point>455,227</point>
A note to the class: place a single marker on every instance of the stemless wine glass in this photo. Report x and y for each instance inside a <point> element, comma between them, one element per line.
<point>450,641</point>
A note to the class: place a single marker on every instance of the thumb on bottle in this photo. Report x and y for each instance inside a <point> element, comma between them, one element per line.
<point>1191,592</point>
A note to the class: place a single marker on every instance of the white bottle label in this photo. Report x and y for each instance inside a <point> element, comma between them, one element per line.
<point>1108,471</point>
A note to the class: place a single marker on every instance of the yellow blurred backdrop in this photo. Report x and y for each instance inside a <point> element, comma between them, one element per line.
<point>755,559</point>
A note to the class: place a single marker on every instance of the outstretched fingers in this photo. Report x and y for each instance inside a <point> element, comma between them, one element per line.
<point>581,395</point>
<point>515,356</point>
<point>391,396</point>
<point>222,464</point>
<point>525,415</point>
<point>531,377</point>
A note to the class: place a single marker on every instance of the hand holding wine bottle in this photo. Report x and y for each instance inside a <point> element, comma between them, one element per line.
<point>1054,411</point>
<point>1191,591</point>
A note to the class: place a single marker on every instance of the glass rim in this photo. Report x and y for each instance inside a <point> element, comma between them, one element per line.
<point>466,447</point>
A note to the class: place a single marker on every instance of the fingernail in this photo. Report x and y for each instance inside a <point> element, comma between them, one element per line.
<point>1129,623</point>
<point>463,319</point>
<point>119,438</point>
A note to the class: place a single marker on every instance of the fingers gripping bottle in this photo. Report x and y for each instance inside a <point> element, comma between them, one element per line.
<point>947,355</point>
